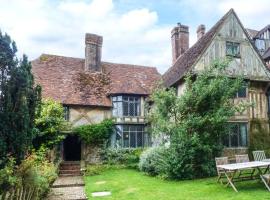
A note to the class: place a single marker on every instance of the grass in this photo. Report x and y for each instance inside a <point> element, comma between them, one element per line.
<point>128,184</point>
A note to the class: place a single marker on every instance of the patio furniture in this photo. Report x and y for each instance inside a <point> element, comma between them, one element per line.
<point>242,159</point>
<point>221,172</point>
<point>259,156</point>
<point>266,180</point>
<point>230,170</point>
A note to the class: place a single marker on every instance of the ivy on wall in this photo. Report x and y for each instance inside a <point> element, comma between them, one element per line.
<point>259,136</point>
<point>95,133</point>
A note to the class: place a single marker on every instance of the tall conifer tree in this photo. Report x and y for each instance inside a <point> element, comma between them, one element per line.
<point>18,101</point>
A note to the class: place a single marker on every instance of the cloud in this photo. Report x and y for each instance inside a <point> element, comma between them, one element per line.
<point>43,26</point>
<point>132,34</point>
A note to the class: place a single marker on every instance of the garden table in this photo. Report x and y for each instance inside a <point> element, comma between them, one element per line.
<point>230,170</point>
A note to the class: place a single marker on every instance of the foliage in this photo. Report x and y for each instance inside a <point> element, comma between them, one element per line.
<point>35,171</point>
<point>152,161</point>
<point>196,121</point>
<point>49,124</point>
<point>127,157</point>
<point>259,136</point>
<point>131,184</point>
<point>18,101</point>
<point>7,178</point>
<point>95,133</point>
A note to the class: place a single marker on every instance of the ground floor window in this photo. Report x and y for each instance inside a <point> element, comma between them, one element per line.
<point>130,136</point>
<point>237,135</point>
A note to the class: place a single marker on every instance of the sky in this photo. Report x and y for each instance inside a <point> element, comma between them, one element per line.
<point>134,31</point>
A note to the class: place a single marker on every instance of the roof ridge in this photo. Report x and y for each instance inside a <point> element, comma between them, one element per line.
<point>206,38</point>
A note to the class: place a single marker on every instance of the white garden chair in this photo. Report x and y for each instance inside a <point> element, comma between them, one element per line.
<point>259,156</point>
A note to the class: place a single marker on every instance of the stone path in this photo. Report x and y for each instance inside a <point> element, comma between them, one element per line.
<point>68,188</point>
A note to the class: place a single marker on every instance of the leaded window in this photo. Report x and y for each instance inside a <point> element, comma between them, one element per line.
<point>237,135</point>
<point>233,49</point>
<point>242,92</point>
<point>126,106</point>
<point>130,136</point>
<point>66,113</point>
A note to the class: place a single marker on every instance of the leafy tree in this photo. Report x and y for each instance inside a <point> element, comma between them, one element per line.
<point>49,124</point>
<point>18,100</point>
<point>195,121</point>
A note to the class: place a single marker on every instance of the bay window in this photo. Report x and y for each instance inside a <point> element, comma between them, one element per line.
<point>127,106</point>
<point>130,136</point>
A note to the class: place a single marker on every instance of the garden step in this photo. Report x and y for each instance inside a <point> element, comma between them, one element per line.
<point>70,167</point>
<point>75,172</point>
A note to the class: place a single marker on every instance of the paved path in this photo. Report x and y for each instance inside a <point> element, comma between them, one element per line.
<point>68,188</point>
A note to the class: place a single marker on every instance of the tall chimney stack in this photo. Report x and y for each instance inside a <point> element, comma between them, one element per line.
<point>200,31</point>
<point>180,40</point>
<point>93,47</point>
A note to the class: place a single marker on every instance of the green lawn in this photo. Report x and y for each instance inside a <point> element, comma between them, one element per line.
<point>129,184</point>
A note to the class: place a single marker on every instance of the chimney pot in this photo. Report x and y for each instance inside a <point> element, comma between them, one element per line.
<point>200,31</point>
<point>93,47</point>
<point>179,40</point>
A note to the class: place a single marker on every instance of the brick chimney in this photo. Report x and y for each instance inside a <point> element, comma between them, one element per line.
<point>200,31</point>
<point>93,47</point>
<point>180,40</point>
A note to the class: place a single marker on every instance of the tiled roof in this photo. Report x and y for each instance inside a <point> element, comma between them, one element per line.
<point>263,30</point>
<point>64,79</point>
<point>185,61</point>
<point>252,33</point>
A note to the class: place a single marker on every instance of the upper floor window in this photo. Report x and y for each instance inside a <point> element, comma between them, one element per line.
<point>260,44</point>
<point>126,106</point>
<point>237,135</point>
<point>233,49</point>
<point>242,92</point>
<point>66,113</point>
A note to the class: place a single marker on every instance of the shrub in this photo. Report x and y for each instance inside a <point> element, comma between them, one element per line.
<point>153,161</point>
<point>95,133</point>
<point>7,177</point>
<point>36,171</point>
<point>127,157</point>
<point>49,124</point>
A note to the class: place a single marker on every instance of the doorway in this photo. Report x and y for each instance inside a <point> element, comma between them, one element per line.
<point>72,148</point>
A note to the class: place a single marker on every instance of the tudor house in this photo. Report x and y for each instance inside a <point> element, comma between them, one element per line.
<point>92,90</point>
<point>227,37</point>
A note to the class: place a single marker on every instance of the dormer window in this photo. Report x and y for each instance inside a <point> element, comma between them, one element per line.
<point>233,49</point>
